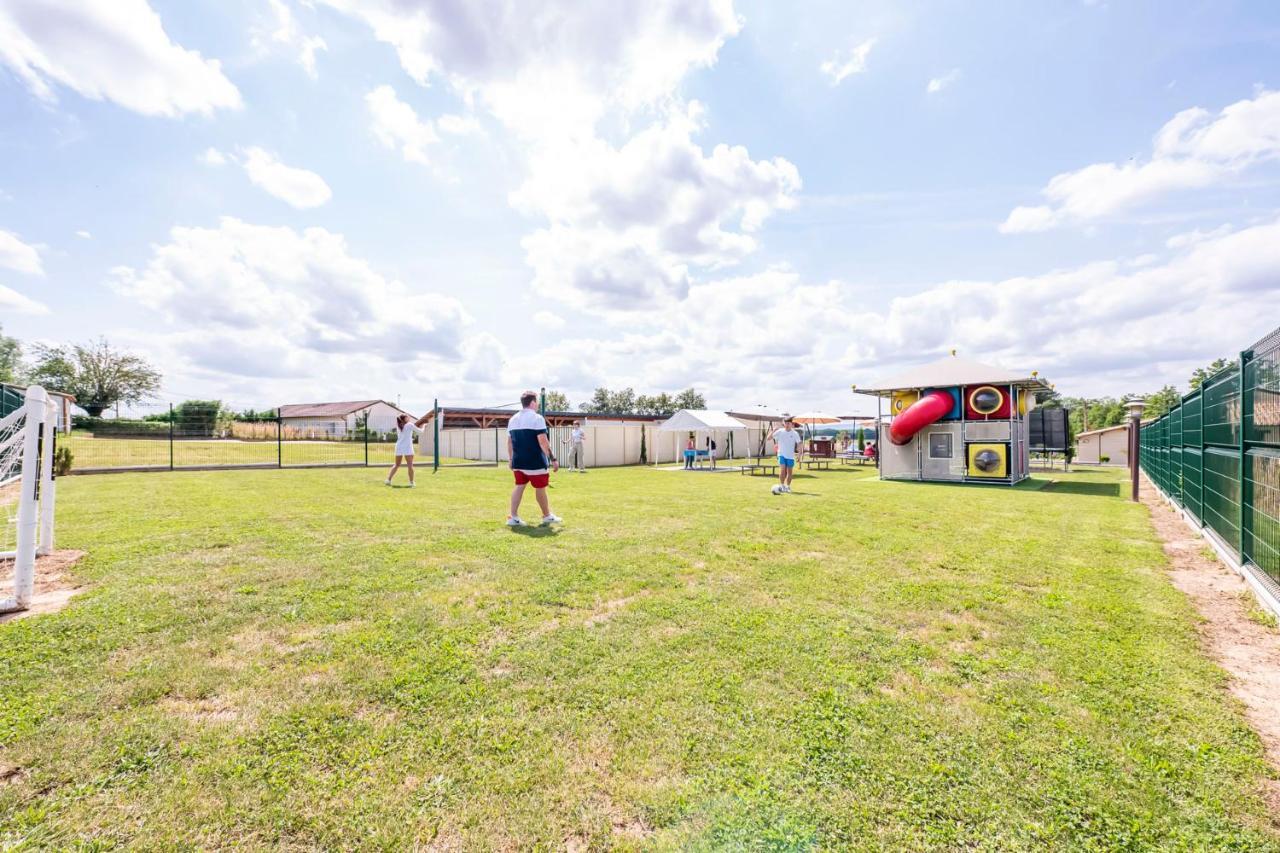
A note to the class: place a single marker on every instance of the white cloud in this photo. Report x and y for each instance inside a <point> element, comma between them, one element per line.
<point>558,57</point>
<point>1190,238</point>
<point>628,218</point>
<point>19,256</point>
<point>114,50</point>
<point>548,320</point>
<point>458,125</point>
<point>12,300</point>
<point>628,223</point>
<point>937,84</point>
<point>1106,327</point>
<point>301,188</point>
<point>84,235</point>
<point>302,290</point>
<point>213,157</point>
<point>397,126</point>
<point>840,66</point>
<point>1193,150</point>
<point>284,30</point>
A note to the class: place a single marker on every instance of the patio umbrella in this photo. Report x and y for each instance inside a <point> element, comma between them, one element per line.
<point>814,418</point>
<point>771,416</point>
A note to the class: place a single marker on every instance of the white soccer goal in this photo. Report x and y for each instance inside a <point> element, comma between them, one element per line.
<point>26,492</point>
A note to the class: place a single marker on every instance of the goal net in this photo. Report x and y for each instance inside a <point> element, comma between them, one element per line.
<point>26,495</point>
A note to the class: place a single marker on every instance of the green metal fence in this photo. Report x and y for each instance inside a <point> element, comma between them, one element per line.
<point>1217,455</point>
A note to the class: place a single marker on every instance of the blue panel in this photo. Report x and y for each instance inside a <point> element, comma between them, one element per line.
<point>955,402</point>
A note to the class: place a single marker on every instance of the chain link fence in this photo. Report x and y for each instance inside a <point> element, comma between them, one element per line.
<point>1217,455</point>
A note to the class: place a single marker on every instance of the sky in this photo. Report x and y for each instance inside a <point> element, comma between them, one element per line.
<point>282,201</point>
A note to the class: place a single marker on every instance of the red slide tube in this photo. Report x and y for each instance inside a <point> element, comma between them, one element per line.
<point>928,409</point>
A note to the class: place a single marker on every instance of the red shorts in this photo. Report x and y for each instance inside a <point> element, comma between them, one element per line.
<point>538,481</point>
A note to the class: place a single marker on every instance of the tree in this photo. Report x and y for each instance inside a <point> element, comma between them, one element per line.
<point>10,358</point>
<point>557,402</point>
<point>1162,401</point>
<point>1202,373</point>
<point>690,399</point>
<point>96,374</point>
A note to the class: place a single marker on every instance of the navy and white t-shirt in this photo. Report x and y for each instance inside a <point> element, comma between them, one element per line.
<point>526,454</point>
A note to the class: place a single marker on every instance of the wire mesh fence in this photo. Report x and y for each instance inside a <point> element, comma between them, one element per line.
<point>1217,455</point>
<point>186,437</point>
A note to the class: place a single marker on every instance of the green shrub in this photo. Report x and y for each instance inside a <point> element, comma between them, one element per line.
<point>105,427</point>
<point>62,459</point>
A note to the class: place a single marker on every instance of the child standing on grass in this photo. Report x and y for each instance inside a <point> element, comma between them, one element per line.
<point>788,441</point>
<point>405,432</point>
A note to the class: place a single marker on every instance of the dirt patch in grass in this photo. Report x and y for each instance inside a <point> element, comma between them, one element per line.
<point>54,588</point>
<point>209,709</point>
<point>1245,647</point>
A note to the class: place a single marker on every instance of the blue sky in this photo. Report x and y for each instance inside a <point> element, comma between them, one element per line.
<point>279,201</point>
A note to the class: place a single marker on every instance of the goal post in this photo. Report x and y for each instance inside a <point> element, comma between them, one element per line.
<point>26,471</point>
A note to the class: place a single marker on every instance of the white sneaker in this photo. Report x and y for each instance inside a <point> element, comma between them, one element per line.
<point>552,519</point>
<point>388,482</point>
<point>413,485</point>
<point>786,489</point>
<point>514,521</point>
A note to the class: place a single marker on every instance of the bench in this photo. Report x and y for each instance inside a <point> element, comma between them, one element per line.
<point>820,462</point>
<point>765,468</point>
<point>849,459</point>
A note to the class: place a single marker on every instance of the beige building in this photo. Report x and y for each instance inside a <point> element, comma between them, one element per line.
<point>1111,442</point>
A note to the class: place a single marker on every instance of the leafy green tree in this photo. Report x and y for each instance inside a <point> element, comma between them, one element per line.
<point>557,401</point>
<point>1161,402</point>
<point>96,374</point>
<point>10,358</point>
<point>1202,373</point>
<point>690,399</point>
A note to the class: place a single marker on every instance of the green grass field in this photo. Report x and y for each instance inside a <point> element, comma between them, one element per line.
<point>309,659</point>
<point>93,453</point>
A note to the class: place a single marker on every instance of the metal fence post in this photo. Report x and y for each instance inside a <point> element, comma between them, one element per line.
<point>279,436</point>
<point>1245,411</point>
<point>366,439</point>
<point>435,434</point>
<point>171,436</point>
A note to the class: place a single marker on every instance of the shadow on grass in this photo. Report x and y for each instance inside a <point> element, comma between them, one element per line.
<point>1098,490</point>
<point>535,531</point>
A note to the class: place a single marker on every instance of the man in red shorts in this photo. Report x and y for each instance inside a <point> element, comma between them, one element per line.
<point>529,450</point>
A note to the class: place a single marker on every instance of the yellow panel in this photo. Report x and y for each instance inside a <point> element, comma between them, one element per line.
<point>902,400</point>
<point>1001,450</point>
<point>1022,402</point>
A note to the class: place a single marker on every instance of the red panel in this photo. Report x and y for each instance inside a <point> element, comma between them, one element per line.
<point>1002,411</point>
<point>928,409</point>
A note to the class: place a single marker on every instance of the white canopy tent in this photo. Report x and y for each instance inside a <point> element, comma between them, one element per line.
<point>694,420</point>
<point>700,421</point>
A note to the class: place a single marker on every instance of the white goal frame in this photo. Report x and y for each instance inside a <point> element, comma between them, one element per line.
<point>36,491</point>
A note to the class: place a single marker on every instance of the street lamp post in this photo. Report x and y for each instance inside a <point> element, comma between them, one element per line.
<point>1135,407</point>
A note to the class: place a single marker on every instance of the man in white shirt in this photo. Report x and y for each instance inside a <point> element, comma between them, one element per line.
<point>576,440</point>
<point>529,450</point>
<point>788,441</point>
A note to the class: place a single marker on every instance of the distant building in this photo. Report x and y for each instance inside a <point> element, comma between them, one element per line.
<point>1111,442</point>
<point>11,397</point>
<point>335,419</point>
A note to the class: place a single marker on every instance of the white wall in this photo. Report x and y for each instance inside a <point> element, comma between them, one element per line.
<point>605,446</point>
<point>382,417</point>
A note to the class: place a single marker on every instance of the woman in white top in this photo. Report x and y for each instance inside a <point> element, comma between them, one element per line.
<point>405,432</point>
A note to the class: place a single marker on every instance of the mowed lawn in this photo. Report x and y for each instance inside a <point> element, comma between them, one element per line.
<point>309,659</point>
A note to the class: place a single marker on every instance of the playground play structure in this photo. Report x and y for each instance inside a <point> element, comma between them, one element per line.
<point>955,420</point>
